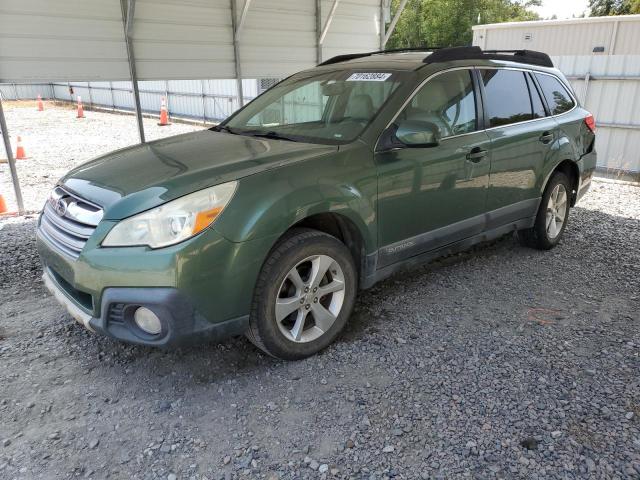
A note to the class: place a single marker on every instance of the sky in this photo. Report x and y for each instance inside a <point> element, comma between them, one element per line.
<point>562,8</point>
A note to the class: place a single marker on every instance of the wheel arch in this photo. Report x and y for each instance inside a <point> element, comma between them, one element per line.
<point>572,171</point>
<point>342,228</point>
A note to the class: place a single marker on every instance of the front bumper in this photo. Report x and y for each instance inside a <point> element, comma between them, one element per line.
<point>181,324</point>
<point>79,315</point>
<point>201,289</point>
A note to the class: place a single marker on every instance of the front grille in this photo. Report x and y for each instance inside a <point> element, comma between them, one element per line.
<point>68,221</point>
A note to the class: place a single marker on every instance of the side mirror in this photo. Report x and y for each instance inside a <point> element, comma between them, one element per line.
<point>417,133</point>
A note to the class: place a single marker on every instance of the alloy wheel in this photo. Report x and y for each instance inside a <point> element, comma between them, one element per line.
<point>556,211</point>
<point>310,298</point>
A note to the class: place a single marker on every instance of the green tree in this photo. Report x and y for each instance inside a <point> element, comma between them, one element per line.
<point>445,23</point>
<point>603,8</point>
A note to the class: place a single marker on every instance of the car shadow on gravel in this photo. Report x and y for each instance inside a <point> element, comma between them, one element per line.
<point>485,264</point>
<point>374,309</point>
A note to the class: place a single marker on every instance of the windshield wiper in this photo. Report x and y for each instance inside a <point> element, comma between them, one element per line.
<point>269,134</point>
<point>224,128</point>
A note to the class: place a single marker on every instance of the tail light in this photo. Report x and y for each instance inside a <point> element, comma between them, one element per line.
<point>590,122</point>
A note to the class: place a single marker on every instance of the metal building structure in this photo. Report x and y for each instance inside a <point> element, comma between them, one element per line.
<point>601,58</point>
<point>152,40</point>
<point>207,101</point>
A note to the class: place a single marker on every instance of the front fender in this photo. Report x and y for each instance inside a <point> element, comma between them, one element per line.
<point>269,203</point>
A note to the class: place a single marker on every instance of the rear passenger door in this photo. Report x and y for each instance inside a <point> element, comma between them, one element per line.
<point>522,141</point>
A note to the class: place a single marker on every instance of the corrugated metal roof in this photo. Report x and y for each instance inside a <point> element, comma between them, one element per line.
<point>65,39</point>
<point>72,40</point>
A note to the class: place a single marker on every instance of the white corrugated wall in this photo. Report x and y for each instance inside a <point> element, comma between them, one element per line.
<point>601,58</point>
<point>71,40</point>
<point>206,100</point>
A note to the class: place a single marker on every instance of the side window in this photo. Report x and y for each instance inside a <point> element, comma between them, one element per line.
<point>507,97</point>
<point>536,101</point>
<point>448,101</point>
<point>556,94</point>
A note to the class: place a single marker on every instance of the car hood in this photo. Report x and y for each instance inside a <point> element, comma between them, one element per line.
<point>134,179</point>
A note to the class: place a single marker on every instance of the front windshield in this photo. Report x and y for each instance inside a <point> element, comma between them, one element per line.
<point>320,107</point>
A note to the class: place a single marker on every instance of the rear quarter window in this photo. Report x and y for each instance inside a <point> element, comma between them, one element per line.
<point>556,94</point>
<point>507,97</point>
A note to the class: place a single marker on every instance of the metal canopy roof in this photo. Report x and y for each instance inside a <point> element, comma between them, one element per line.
<point>85,40</point>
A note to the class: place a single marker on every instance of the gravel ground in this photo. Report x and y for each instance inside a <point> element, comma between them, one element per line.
<point>75,141</point>
<point>502,362</point>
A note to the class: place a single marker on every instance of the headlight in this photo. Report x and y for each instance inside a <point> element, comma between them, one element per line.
<point>172,222</point>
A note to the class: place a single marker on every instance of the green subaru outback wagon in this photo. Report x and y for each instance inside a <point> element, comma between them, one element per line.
<point>269,223</point>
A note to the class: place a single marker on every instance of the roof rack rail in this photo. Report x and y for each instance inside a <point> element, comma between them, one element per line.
<point>449,54</point>
<point>476,53</point>
<point>352,56</point>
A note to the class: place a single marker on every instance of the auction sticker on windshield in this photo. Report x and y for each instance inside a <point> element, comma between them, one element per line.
<point>368,77</point>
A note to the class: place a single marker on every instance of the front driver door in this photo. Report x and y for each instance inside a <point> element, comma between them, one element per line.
<point>429,197</point>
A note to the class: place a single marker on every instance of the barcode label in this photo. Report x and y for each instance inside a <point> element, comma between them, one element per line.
<point>368,77</point>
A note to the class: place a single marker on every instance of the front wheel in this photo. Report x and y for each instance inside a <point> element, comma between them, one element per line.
<point>304,295</point>
<point>552,216</point>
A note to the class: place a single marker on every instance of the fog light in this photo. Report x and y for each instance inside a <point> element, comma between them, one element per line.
<point>147,321</point>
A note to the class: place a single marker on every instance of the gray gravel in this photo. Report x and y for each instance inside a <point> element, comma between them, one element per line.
<point>502,362</point>
<point>56,141</point>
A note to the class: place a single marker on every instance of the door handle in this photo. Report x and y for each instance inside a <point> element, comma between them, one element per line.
<point>546,138</point>
<point>476,154</point>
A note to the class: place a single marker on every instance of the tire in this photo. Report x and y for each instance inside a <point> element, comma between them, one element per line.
<point>544,235</point>
<point>315,320</point>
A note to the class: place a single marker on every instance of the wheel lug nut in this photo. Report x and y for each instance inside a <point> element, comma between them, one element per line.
<point>302,300</point>
<point>315,300</point>
<point>306,289</point>
<point>307,306</point>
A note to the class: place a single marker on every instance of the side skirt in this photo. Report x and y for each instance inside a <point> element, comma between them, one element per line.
<point>487,236</point>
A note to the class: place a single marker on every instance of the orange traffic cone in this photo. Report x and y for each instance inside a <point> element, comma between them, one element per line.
<point>40,104</point>
<point>80,109</point>
<point>164,115</point>
<point>3,205</point>
<point>20,153</point>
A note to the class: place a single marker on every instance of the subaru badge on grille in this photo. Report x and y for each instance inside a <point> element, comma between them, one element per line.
<point>61,207</point>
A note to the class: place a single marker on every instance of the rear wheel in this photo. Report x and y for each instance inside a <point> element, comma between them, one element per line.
<point>304,295</point>
<point>552,216</point>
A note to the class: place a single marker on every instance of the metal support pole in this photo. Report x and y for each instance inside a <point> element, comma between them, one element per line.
<point>318,31</point>
<point>327,24</point>
<point>243,17</point>
<point>113,100</point>
<point>90,95</point>
<point>236,52</point>
<point>392,26</point>
<point>586,89</point>
<point>614,38</point>
<point>12,161</point>
<point>204,103</point>
<point>128,10</point>
<point>166,95</point>
<point>382,25</point>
